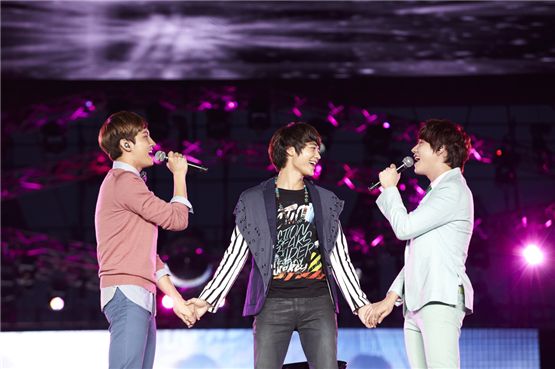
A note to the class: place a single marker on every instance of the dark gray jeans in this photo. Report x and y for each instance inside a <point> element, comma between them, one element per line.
<point>313,317</point>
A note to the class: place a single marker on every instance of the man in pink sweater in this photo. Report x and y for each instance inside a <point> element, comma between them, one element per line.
<point>126,221</point>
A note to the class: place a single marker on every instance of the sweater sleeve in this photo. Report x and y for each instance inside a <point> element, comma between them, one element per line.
<point>134,195</point>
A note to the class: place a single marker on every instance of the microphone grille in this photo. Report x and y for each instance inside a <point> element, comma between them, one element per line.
<point>408,161</point>
<point>160,156</point>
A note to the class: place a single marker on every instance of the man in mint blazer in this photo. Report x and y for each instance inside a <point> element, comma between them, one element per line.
<point>433,286</point>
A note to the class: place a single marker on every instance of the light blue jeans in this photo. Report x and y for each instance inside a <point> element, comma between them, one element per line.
<point>132,334</point>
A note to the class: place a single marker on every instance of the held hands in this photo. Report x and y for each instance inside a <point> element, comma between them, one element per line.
<point>389,176</point>
<point>177,163</point>
<point>364,313</point>
<point>190,311</point>
<point>201,307</point>
<point>381,309</point>
<point>185,311</point>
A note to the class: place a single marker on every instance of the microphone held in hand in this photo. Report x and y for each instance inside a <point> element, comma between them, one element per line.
<point>161,156</point>
<point>407,163</point>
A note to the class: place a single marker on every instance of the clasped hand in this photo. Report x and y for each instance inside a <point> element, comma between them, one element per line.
<point>190,311</point>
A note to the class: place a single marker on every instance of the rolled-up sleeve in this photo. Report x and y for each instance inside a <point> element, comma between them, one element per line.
<point>183,200</point>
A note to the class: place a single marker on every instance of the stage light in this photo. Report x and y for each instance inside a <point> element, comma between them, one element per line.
<point>376,241</point>
<point>204,105</point>
<point>167,302</point>
<point>317,171</point>
<point>499,152</point>
<point>548,223</point>
<point>57,303</point>
<point>333,121</point>
<point>297,108</point>
<point>533,254</point>
<point>231,105</point>
<point>90,105</point>
<point>386,125</point>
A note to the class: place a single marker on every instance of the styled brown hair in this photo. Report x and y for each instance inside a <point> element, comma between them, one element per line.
<point>442,132</point>
<point>121,125</point>
<point>295,135</point>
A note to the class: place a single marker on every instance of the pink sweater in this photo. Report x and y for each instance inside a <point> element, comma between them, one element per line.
<point>126,220</point>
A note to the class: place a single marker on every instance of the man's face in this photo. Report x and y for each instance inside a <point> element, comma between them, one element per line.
<point>142,149</point>
<point>306,161</point>
<point>425,159</point>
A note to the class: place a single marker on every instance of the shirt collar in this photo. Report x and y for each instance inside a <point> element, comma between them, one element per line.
<point>436,181</point>
<point>125,166</point>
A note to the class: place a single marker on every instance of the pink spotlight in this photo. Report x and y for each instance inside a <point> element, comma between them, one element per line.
<point>333,121</point>
<point>376,241</point>
<point>57,303</point>
<point>548,223</point>
<point>317,171</point>
<point>386,125</point>
<point>89,104</point>
<point>533,254</point>
<point>167,302</point>
<point>231,105</point>
<point>199,251</point>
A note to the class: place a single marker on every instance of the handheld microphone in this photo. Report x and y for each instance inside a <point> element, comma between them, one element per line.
<point>161,156</point>
<point>407,163</point>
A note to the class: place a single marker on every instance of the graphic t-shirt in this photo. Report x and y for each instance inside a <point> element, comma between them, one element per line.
<point>297,267</point>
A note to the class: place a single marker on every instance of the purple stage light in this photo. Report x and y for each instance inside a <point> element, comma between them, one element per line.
<point>346,180</point>
<point>419,190</point>
<point>334,110</point>
<point>30,185</point>
<point>231,105</point>
<point>548,223</point>
<point>90,106</point>
<point>199,251</point>
<point>533,254</point>
<point>333,121</point>
<point>402,187</point>
<point>168,105</point>
<point>376,241</point>
<point>57,303</point>
<point>192,159</point>
<point>524,221</point>
<point>205,105</point>
<point>386,125</point>
<point>370,118</point>
<point>191,147</point>
<point>298,103</point>
<point>317,171</point>
<point>167,302</point>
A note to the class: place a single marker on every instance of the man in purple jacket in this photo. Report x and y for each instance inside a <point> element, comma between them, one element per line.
<point>299,257</point>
